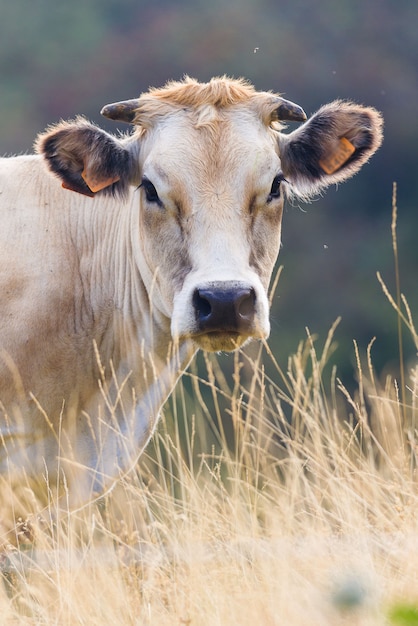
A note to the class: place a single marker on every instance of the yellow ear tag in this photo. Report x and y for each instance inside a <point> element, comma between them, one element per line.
<point>334,161</point>
<point>97,184</point>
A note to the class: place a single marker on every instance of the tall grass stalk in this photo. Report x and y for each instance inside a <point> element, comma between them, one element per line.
<point>398,290</point>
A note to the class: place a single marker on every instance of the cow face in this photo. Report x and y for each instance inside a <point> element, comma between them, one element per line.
<point>211,208</point>
<point>211,174</point>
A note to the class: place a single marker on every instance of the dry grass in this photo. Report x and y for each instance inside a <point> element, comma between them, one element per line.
<point>295,505</point>
<point>306,516</point>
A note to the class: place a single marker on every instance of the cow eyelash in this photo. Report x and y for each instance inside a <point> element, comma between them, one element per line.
<point>275,187</point>
<point>150,191</point>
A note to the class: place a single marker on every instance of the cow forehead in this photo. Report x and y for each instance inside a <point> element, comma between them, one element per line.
<point>235,143</point>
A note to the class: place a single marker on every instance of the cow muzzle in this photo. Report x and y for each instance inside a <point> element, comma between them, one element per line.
<point>224,315</point>
<point>221,309</point>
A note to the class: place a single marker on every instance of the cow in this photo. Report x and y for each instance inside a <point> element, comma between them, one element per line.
<point>122,255</point>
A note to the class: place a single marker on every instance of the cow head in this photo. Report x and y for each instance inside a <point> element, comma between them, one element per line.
<point>211,166</point>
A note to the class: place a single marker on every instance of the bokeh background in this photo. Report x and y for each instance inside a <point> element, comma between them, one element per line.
<point>59,59</point>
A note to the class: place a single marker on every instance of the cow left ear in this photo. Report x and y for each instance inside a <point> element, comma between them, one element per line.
<point>86,158</point>
<point>330,147</point>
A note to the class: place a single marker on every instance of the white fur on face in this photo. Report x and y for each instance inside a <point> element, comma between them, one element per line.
<point>213,224</point>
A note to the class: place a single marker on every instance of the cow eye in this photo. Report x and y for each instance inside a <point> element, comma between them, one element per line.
<point>150,191</point>
<point>275,187</point>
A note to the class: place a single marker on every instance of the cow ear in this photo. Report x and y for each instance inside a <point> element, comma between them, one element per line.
<point>330,147</point>
<point>86,159</point>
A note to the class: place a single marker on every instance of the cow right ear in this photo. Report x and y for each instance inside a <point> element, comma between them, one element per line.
<point>330,147</point>
<point>86,158</point>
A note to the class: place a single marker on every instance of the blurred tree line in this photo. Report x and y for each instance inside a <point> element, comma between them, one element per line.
<point>59,59</point>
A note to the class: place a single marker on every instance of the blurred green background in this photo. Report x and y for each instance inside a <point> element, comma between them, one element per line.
<point>59,59</point>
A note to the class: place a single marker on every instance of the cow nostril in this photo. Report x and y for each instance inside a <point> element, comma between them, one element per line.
<point>201,305</point>
<point>246,304</point>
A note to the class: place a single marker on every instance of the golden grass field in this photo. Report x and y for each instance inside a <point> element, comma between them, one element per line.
<point>304,513</point>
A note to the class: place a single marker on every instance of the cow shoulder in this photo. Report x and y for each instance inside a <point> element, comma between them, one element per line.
<point>87,159</point>
<point>330,147</point>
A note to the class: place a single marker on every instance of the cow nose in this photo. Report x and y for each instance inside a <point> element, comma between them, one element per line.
<point>222,308</point>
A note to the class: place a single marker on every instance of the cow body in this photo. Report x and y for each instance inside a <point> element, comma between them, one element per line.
<point>139,251</point>
<point>74,312</point>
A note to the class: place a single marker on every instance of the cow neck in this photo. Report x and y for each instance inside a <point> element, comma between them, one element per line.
<point>136,336</point>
